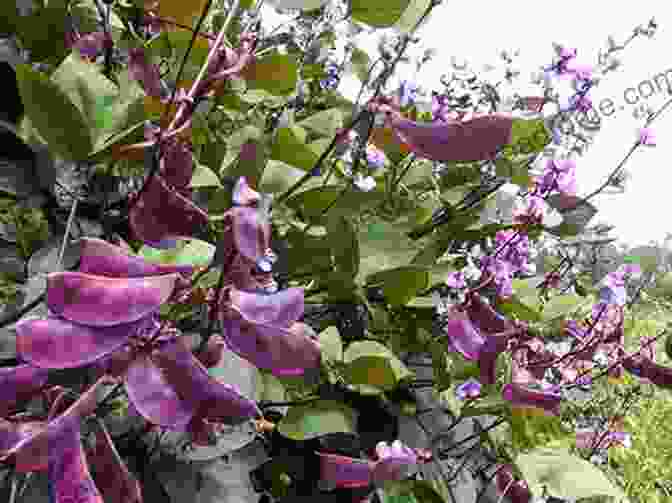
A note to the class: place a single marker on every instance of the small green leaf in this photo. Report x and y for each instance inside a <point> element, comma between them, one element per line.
<point>187,252</point>
<point>204,177</point>
<point>53,115</point>
<point>378,13</point>
<point>290,147</point>
<point>324,123</point>
<point>330,342</point>
<point>561,306</point>
<point>372,364</point>
<point>401,284</point>
<point>316,419</point>
<point>412,15</point>
<point>565,475</point>
<point>360,63</point>
<point>315,203</point>
<point>276,73</point>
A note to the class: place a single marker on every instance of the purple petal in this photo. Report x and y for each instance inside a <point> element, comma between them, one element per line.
<point>190,380</point>
<point>244,195</point>
<point>154,398</point>
<point>345,472</point>
<point>284,352</point>
<point>473,140</point>
<point>33,452</point>
<point>144,72</point>
<point>105,259</point>
<point>70,480</point>
<point>100,301</point>
<point>464,337</point>
<point>57,343</point>
<point>164,213</point>
<point>250,234</point>
<point>279,309</point>
<point>494,345</point>
<point>18,384</point>
<point>525,397</point>
<point>177,164</point>
<point>115,482</point>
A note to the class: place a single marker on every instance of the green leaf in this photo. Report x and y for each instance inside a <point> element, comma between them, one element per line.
<point>276,73</point>
<point>412,15</point>
<point>565,475</point>
<point>331,344</point>
<point>290,147</point>
<point>188,251</point>
<point>360,63</point>
<point>314,203</point>
<point>402,283</point>
<point>529,136</point>
<point>316,419</point>
<point>68,136</point>
<point>410,491</point>
<point>530,429</point>
<point>9,18</point>
<point>269,388</point>
<point>86,13</point>
<point>324,123</point>
<point>43,33</point>
<point>514,307</point>
<point>372,364</point>
<point>561,306</point>
<point>342,236</point>
<point>204,177</point>
<point>300,4</point>
<point>378,13</point>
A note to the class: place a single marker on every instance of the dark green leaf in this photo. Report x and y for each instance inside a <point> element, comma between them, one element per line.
<point>342,236</point>
<point>54,116</point>
<point>402,283</point>
<point>378,13</point>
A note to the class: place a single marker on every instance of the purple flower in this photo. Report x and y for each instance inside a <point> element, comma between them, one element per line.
<point>395,462</point>
<point>470,388</point>
<point>456,280</point>
<point>375,157</point>
<point>558,174</point>
<point>263,330</point>
<point>408,93</point>
<point>440,107</point>
<point>523,396</point>
<point>647,136</point>
<point>463,337</point>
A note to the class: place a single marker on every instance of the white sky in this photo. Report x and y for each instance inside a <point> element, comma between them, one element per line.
<point>477,30</point>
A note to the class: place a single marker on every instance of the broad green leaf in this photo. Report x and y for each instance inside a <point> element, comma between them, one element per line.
<point>378,13</point>
<point>342,236</point>
<point>412,15</point>
<point>565,475</point>
<point>53,115</point>
<point>276,73</point>
<point>9,18</point>
<point>178,43</point>
<point>402,283</point>
<point>316,419</point>
<point>410,491</point>
<point>331,344</point>
<point>189,251</point>
<point>290,147</point>
<point>204,177</point>
<point>531,428</point>
<point>372,364</point>
<point>86,13</point>
<point>561,306</point>
<point>269,388</point>
<point>360,63</point>
<point>279,176</point>
<point>324,123</point>
<point>308,254</point>
<point>91,92</point>
<point>516,308</point>
<point>335,200</point>
<point>113,144</point>
<point>43,33</point>
<point>529,136</point>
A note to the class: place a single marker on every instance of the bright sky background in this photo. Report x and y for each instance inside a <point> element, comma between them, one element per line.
<point>477,30</point>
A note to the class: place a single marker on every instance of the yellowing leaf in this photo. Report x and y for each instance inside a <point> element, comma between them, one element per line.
<point>184,12</point>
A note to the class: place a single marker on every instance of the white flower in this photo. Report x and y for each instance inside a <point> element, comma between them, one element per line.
<point>364,183</point>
